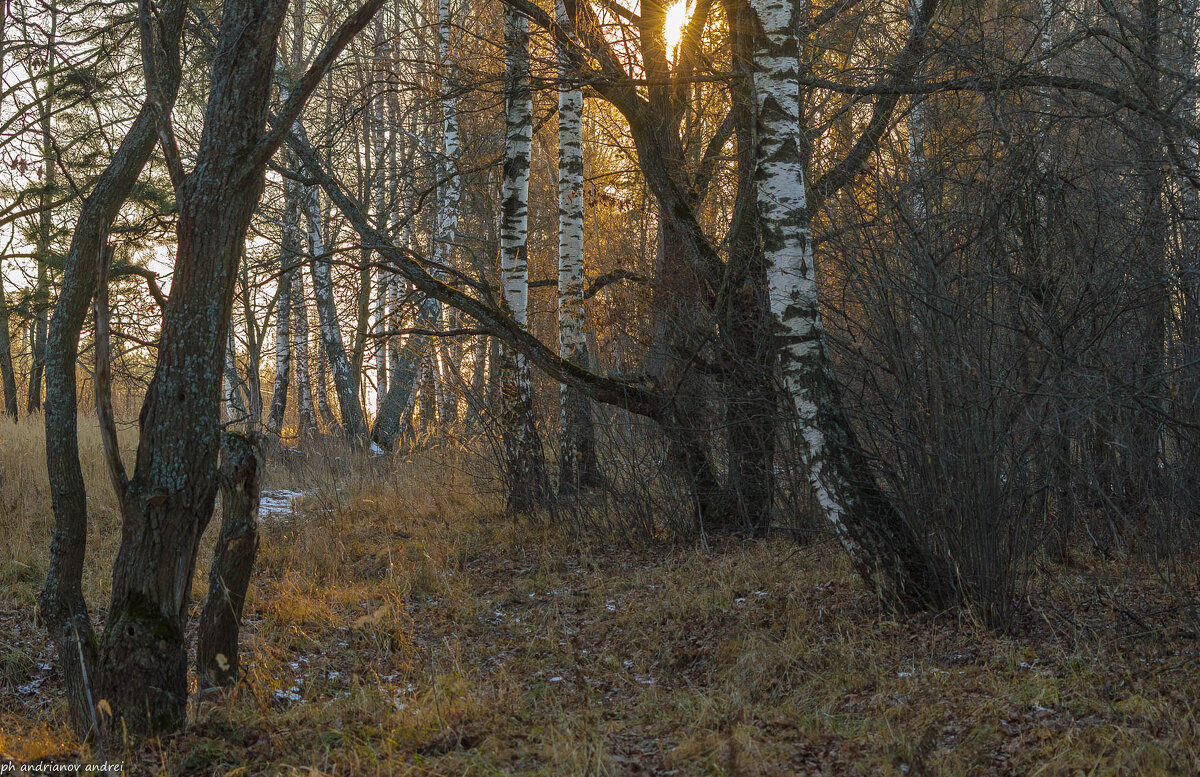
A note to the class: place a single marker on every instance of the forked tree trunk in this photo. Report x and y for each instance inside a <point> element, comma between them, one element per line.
<point>578,468</point>
<point>217,660</point>
<point>63,608</point>
<point>142,669</point>
<point>528,483</point>
<point>885,548</point>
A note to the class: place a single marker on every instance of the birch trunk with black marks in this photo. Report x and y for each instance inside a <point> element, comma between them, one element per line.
<point>578,468</point>
<point>288,256</point>
<point>217,659</point>
<point>334,350</point>
<point>528,484</point>
<point>884,547</point>
<point>305,409</point>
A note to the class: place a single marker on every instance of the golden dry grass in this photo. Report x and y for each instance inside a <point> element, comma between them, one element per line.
<point>402,625</point>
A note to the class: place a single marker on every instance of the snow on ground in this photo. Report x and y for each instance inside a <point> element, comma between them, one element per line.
<point>277,505</point>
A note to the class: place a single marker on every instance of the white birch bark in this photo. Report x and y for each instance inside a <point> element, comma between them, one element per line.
<point>860,516</point>
<point>526,463</point>
<point>334,349</point>
<point>578,467</point>
<point>289,261</point>
<point>306,410</point>
<point>235,407</point>
<point>413,364</point>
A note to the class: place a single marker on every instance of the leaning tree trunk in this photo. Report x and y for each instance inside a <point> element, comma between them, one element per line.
<point>217,639</point>
<point>344,380</point>
<point>528,485</point>
<point>885,548</point>
<point>578,467</point>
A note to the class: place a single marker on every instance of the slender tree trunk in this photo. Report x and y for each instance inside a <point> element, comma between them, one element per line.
<point>344,380</point>
<point>883,546</point>
<point>578,468</point>
<point>306,410</point>
<point>41,294</point>
<point>7,374</point>
<point>283,319</point>
<point>528,485</point>
<point>235,407</point>
<point>321,382</point>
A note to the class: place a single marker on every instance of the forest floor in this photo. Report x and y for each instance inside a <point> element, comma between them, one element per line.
<point>399,624</point>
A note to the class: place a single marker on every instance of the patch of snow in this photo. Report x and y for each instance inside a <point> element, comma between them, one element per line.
<point>291,694</point>
<point>277,504</point>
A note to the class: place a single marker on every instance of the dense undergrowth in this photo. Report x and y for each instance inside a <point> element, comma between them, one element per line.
<point>399,623</point>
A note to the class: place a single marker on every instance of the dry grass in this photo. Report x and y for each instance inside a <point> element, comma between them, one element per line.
<point>401,625</point>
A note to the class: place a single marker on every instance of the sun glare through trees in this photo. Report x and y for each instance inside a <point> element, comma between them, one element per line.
<point>599,387</point>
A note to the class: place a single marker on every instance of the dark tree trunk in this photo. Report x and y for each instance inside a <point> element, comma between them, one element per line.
<point>751,408</point>
<point>143,658</point>
<point>62,605</point>
<point>217,659</point>
<point>7,374</point>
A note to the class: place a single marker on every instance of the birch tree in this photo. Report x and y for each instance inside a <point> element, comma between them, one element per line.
<point>578,467</point>
<point>882,544</point>
<point>333,348</point>
<point>528,485</point>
